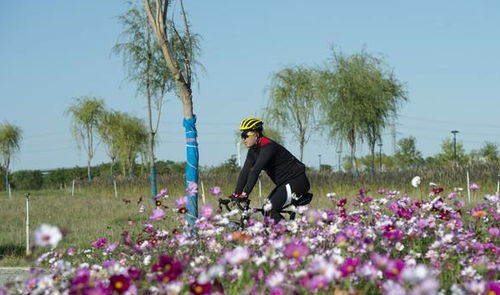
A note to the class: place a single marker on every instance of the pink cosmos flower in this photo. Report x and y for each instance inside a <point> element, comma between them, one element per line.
<point>162,194</point>
<point>71,251</point>
<point>181,202</point>
<point>192,188</point>
<point>296,250</point>
<point>99,243</point>
<point>473,187</point>
<point>317,283</point>
<point>494,232</point>
<point>206,211</point>
<point>216,191</point>
<point>111,247</point>
<point>157,214</point>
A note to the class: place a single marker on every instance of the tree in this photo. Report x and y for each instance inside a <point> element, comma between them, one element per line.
<point>407,155</point>
<point>293,103</point>
<point>109,129</point>
<point>146,67</point>
<point>358,99</point>
<point>447,154</point>
<point>131,138</point>
<point>86,114</point>
<point>179,60</point>
<point>10,139</point>
<point>489,153</point>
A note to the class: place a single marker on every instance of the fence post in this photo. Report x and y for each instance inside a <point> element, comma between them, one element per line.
<point>28,251</point>
<point>260,190</point>
<point>468,185</point>
<point>115,188</point>
<point>202,192</point>
<point>10,192</point>
<point>498,184</point>
<point>73,189</point>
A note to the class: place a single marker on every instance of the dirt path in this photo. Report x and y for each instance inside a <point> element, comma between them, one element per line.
<point>9,274</point>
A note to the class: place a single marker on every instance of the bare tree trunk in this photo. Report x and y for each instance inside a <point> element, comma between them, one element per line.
<point>151,152</point>
<point>183,85</point>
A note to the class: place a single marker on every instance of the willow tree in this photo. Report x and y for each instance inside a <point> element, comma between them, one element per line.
<point>132,138</point>
<point>178,52</point>
<point>10,139</point>
<point>358,99</point>
<point>146,67</point>
<point>108,129</point>
<point>293,103</point>
<point>86,114</point>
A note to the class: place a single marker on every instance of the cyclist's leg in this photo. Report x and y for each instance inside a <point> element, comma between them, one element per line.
<point>300,185</point>
<point>278,198</point>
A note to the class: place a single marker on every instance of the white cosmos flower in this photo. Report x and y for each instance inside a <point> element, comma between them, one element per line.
<point>268,206</point>
<point>415,182</point>
<point>237,256</point>
<point>47,235</point>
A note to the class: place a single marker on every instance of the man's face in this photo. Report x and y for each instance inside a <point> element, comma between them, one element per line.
<point>249,138</point>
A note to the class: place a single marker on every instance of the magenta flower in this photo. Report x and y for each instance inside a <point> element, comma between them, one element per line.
<point>473,187</point>
<point>492,288</point>
<point>201,289</point>
<point>276,291</point>
<point>216,191</point>
<point>81,279</point>
<point>169,269</point>
<point>119,283</point>
<point>393,235</point>
<point>157,214</point>
<point>394,268</point>
<point>296,250</point>
<point>349,266</point>
<point>192,188</point>
<point>99,243</point>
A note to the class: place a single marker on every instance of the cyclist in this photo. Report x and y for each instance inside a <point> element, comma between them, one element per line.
<point>286,171</point>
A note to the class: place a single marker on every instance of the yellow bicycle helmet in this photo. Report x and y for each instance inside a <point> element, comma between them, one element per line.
<point>251,124</point>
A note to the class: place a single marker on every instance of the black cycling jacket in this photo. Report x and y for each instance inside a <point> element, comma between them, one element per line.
<point>271,157</point>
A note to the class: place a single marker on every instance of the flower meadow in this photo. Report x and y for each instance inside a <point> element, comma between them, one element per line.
<point>380,242</point>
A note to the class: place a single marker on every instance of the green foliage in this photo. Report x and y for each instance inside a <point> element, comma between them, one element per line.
<point>228,166</point>
<point>359,97</point>
<point>86,114</point>
<point>451,153</point>
<point>293,102</point>
<point>27,180</point>
<point>407,155</point>
<point>10,139</point>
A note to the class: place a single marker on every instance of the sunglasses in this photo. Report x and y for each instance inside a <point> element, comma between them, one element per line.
<point>246,134</point>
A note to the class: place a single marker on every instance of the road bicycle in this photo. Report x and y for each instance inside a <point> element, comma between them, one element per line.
<point>242,211</point>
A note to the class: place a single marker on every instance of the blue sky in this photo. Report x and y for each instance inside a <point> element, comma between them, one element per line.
<point>445,51</point>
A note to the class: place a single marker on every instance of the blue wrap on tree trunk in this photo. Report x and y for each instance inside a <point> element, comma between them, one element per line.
<point>192,158</point>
